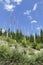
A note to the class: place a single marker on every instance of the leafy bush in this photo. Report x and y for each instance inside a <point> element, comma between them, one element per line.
<point>31,52</point>
<point>34,45</point>
<point>38,47</point>
<point>9,56</point>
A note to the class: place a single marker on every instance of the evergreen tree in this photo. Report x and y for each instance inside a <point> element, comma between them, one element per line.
<point>37,37</point>
<point>0,32</point>
<point>31,38</point>
<point>41,35</point>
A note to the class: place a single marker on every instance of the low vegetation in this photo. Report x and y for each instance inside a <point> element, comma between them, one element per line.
<point>10,55</point>
<point>17,49</point>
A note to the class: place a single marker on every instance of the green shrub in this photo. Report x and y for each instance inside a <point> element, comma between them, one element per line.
<point>38,47</point>
<point>34,45</point>
<point>31,52</point>
<point>9,56</point>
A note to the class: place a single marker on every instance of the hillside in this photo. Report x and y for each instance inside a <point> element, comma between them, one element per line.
<point>17,49</point>
<point>19,55</point>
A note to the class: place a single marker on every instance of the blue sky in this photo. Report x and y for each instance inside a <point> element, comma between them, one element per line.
<point>26,15</point>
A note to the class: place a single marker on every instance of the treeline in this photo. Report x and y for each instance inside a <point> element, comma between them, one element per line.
<point>38,38</point>
<point>18,36</point>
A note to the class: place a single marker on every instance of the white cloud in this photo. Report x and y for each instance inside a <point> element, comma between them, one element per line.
<point>17,1</point>
<point>9,7</point>
<point>35,7</point>
<point>38,28</point>
<point>3,30</point>
<point>7,1</point>
<point>27,12</point>
<point>30,17</point>
<point>34,21</point>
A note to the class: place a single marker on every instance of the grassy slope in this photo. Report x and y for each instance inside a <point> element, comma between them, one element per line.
<point>19,55</point>
<point>14,53</point>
